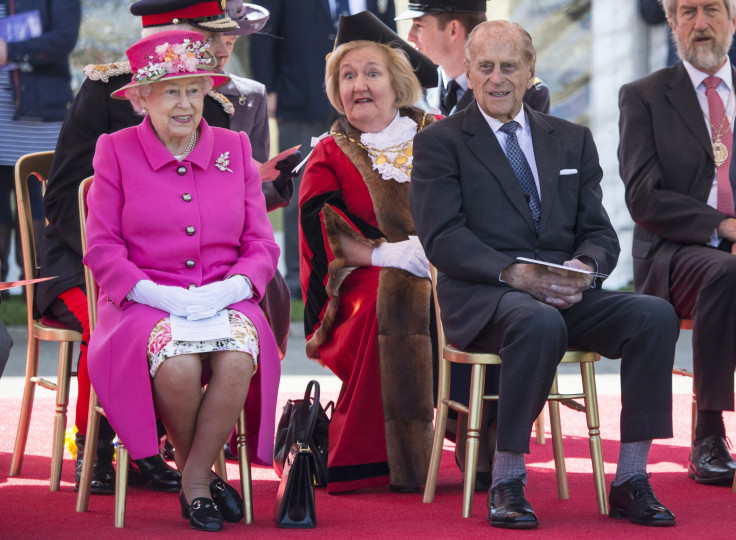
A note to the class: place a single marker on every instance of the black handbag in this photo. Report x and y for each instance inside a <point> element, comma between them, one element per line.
<point>318,442</point>
<point>294,507</point>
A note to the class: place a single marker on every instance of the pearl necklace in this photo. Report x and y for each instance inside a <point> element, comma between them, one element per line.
<point>192,143</point>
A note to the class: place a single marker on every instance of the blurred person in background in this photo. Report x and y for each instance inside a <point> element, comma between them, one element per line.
<point>35,95</point>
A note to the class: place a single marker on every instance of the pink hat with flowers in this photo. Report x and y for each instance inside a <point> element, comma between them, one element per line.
<point>173,54</point>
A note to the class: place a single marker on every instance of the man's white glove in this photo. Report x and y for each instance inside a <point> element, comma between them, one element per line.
<point>215,296</point>
<point>407,255</point>
<point>173,300</point>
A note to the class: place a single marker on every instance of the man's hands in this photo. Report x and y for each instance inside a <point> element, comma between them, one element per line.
<point>554,286</point>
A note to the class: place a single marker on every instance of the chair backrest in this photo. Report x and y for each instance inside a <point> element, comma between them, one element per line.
<point>92,288</point>
<point>38,164</point>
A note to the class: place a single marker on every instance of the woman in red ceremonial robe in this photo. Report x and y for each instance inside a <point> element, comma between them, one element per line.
<point>365,278</point>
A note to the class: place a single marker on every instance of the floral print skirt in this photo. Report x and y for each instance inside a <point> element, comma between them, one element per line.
<point>243,338</point>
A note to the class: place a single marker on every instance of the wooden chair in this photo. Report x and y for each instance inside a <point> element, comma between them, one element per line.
<point>479,361</point>
<point>95,412</point>
<point>39,164</point>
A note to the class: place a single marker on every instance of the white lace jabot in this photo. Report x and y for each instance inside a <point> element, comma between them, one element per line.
<point>394,141</point>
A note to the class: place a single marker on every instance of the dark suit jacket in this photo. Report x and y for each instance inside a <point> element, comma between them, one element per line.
<point>289,55</point>
<point>666,163</point>
<point>473,219</point>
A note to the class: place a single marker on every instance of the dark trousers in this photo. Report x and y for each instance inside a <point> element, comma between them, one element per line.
<point>703,288</point>
<point>531,338</point>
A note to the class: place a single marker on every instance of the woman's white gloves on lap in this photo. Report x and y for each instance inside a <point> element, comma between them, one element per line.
<point>197,303</point>
<point>174,300</point>
<point>218,295</point>
<point>407,255</point>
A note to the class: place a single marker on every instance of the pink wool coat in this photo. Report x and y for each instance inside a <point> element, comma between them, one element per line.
<point>189,223</point>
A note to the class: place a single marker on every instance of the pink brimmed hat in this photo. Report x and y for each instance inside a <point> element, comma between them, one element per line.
<point>174,54</point>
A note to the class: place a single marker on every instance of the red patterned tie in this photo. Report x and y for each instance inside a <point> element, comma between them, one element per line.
<point>721,134</point>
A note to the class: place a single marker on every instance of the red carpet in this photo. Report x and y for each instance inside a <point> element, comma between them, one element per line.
<point>29,510</point>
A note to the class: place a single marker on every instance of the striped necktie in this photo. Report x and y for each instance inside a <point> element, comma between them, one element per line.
<point>522,170</point>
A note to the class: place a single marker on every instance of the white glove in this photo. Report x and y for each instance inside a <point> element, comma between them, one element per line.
<point>215,296</point>
<point>173,300</point>
<point>407,255</point>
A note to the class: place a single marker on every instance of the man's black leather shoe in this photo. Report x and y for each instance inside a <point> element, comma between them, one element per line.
<point>710,462</point>
<point>103,473</point>
<point>635,500</point>
<point>156,474</point>
<point>508,507</point>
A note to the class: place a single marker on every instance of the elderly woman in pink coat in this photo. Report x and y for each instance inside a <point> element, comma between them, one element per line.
<point>179,242</point>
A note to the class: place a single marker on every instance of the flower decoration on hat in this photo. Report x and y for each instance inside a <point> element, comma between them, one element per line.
<point>169,58</point>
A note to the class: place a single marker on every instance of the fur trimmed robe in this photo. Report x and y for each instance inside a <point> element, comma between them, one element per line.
<point>353,315</point>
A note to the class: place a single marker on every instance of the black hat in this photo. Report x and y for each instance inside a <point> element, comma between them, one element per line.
<point>250,18</point>
<point>203,14</point>
<point>433,7</point>
<point>366,26</point>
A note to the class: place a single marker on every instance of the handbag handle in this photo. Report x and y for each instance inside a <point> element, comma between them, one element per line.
<point>307,430</point>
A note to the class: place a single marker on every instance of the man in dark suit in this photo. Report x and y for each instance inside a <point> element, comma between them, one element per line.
<point>290,60</point>
<point>439,30</point>
<point>674,156</point>
<point>500,181</point>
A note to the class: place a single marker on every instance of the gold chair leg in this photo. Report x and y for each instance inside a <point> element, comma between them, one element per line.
<point>24,421</point>
<point>587,371</point>
<point>557,448</point>
<point>539,428</point>
<point>475,412</point>
<point>121,486</point>
<point>246,482</point>
<point>66,348</point>
<point>221,466</point>
<point>440,425</point>
<point>90,451</point>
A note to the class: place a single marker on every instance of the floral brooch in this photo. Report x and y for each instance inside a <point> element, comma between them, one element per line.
<point>223,161</point>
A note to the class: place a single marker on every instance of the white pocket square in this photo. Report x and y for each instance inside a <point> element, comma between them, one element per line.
<point>568,171</point>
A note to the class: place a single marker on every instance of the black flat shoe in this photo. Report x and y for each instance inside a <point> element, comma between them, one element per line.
<point>227,500</point>
<point>635,500</point>
<point>508,507</point>
<point>203,514</point>
<point>156,474</point>
<point>103,473</point>
<point>710,462</point>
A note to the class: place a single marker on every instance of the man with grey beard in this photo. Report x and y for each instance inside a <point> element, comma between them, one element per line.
<point>675,158</point>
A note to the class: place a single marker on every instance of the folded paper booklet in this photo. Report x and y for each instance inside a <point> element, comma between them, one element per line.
<point>268,170</point>
<point>553,265</point>
<point>10,284</point>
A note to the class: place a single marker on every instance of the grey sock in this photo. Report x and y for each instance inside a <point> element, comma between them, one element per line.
<point>508,466</point>
<point>632,461</point>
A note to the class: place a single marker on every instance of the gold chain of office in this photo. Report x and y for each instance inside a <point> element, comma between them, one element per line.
<point>404,150</point>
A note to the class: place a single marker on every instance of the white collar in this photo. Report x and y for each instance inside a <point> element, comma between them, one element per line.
<point>697,77</point>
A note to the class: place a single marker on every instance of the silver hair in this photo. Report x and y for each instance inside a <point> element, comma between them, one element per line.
<point>135,93</point>
<point>670,6</point>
